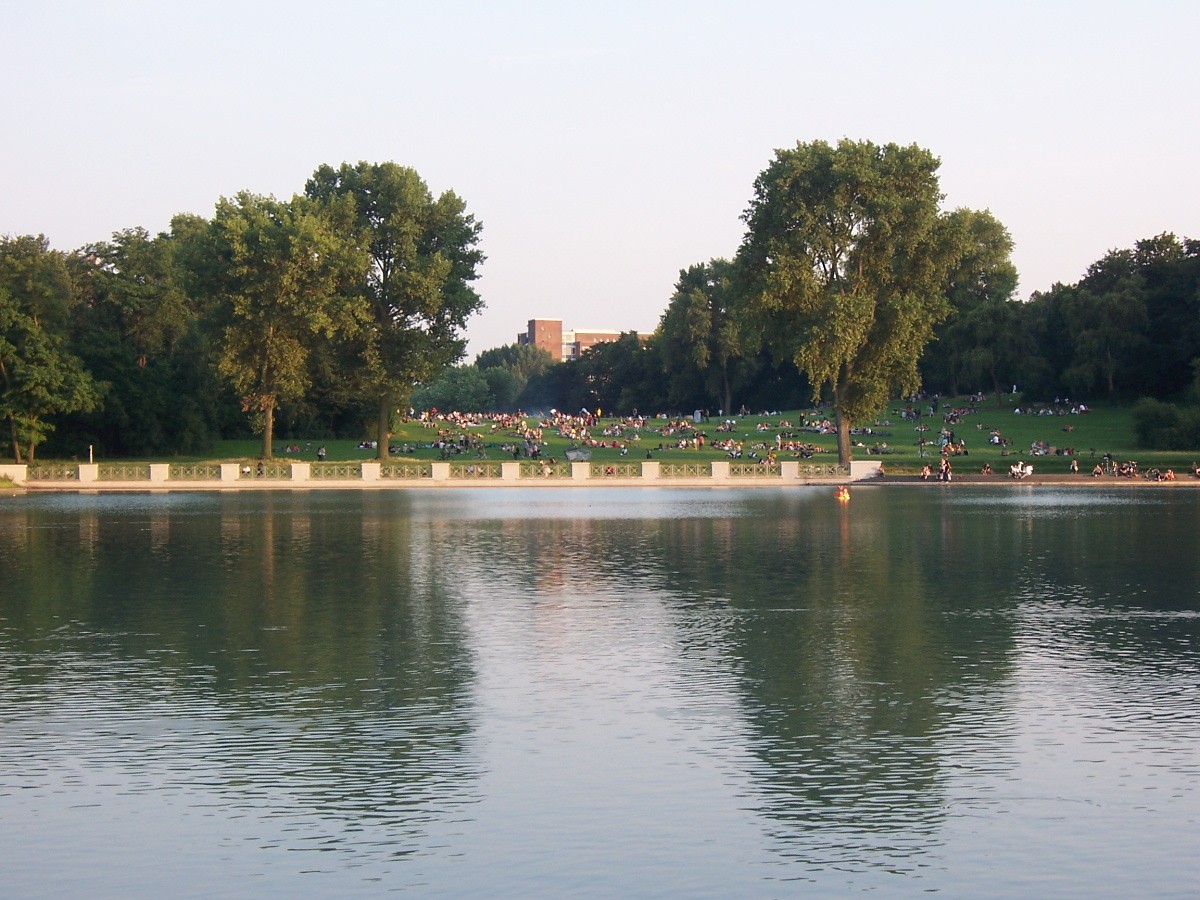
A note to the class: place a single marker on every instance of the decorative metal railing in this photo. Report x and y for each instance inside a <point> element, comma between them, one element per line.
<point>754,470</point>
<point>476,470</point>
<point>684,470</point>
<point>194,471</point>
<point>53,472</point>
<point>615,470</point>
<point>252,470</point>
<point>262,469</point>
<point>544,469</point>
<point>123,472</point>
<point>827,470</point>
<point>398,470</point>
<point>340,471</point>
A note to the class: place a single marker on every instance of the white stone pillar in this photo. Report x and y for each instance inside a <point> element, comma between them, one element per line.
<point>862,469</point>
<point>650,470</point>
<point>370,471</point>
<point>89,472</point>
<point>159,472</point>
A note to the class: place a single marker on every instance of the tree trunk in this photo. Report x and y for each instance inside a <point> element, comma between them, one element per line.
<point>843,429</point>
<point>268,429</point>
<point>845,456</point>
<point>996,387</point>
<point>16,444</point>
<point>728,392</point>
<point>383,432</point>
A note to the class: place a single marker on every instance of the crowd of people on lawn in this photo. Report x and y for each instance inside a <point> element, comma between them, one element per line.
<point>523,437</point>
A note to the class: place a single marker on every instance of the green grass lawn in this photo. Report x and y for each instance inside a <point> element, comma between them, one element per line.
<point>1092,434</point>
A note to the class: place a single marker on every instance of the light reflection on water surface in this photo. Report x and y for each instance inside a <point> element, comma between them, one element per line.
<point>595,692</point>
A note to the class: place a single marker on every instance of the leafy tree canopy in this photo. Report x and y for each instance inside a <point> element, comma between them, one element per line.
<point>39,376</point>
<point>422,258</point>
<point>846,259</point>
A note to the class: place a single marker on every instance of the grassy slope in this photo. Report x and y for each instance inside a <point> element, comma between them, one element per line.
<point>1094,433</point>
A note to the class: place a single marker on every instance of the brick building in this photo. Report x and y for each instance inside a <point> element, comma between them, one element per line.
<point>562,345</point>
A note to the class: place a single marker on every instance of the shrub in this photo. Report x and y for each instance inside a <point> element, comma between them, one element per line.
<point>1165,426</point>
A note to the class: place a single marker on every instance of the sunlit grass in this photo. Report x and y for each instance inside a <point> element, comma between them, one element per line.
<point>892,440</point>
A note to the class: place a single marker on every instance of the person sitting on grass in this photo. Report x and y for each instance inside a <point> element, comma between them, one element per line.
<point>986,470</point>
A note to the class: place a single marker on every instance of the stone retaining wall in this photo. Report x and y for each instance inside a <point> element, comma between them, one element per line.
<point>288,475</point>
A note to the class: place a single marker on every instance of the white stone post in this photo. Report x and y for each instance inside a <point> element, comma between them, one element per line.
<point>862,469</point>
<point>370,471</point>
<point>89,472</point>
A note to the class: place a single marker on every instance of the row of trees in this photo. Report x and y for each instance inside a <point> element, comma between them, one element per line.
<point>329,307</point>
<point>851,285</point>
<point>323,314</point>
<point>843,274</point>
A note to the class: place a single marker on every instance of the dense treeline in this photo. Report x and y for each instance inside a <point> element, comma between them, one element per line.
<point>314,315</point>
<point>327,314</point>
<point>1129,328</point>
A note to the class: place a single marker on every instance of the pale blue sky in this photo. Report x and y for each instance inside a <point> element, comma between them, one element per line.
<point>604,146</point>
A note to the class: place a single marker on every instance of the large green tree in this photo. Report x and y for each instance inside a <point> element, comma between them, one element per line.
<point>463,388</point>
<point>983,277</point>
<point>846,259</point>
<point>423,257</point>
<point>39,376</point>
<point>702,335</point>
<point>282,275</point>
<point>522,361</point>
<point>136,329</point>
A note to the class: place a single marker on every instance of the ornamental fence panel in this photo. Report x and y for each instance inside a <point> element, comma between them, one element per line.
<point>277,470</point>
<point>400,471</point>
<point>194,472</point>
<point>53,472</point>
<point>616,470</point>
<point>476,470</point>
<point>123,472</point>
<point>684,470</point>
<point>339,471</point>
<point>545,469</point>
<point>754,470</point>
<point>825,470</point>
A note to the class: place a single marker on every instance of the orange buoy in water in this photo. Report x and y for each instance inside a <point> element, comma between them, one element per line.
<point>843,493</point>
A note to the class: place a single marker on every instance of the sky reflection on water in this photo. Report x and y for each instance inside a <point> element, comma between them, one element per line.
<point>596,692</point>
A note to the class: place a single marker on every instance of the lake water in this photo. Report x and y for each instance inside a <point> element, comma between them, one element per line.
<point>601,692</point>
